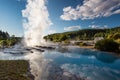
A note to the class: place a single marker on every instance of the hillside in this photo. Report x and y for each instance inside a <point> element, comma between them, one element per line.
<point>84,34</point>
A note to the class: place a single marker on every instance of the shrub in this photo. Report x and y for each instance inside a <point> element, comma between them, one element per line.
<point>82,44</point>
<point>107,45</point>
<point>67,42</point>
<point>77,43</point>
<point>3,43</point>
<point>118,41</point>
<point>116,36</point>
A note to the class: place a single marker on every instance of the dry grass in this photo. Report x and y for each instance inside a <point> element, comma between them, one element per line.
<point>14,70</point>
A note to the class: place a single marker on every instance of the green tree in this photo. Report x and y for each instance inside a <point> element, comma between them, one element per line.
<point>107,45</point>
<point>99,34</point>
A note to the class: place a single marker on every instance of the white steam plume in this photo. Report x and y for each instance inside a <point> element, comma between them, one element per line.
<point>36,21</point>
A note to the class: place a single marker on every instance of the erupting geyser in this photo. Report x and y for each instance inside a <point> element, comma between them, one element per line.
<point>36,21</point>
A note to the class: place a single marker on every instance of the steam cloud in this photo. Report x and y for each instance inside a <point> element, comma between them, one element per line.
<point>36,21</point>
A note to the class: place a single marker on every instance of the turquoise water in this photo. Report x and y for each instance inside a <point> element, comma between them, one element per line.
<point>86,63</point>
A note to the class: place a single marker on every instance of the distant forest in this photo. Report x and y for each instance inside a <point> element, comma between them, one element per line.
<point>84,34</point>
<point>4,35</point>
<point>6,40</point>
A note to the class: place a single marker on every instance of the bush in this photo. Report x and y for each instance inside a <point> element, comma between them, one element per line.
<point>82,44</point>
<point>118,41</point>
<point>116,36</point>
<point>107,45</point>
<point>3,43</point>
<point>77,43</point>
<point>67,42</point>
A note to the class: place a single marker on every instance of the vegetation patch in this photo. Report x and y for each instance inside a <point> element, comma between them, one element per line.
<point>82,44</point>
<point>15,70</point>
<point>107,45</point>
<point>7,41</point>
<point>84,34</point>
<point>80,38</point>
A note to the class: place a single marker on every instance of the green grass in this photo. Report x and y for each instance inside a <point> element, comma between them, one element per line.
<point>14,70</point>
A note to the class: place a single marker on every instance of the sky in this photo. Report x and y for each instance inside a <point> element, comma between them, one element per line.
<point>65,15</point>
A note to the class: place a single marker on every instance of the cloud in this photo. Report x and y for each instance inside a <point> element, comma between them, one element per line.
<point>91,9</point>
<point>98,26</point>
<point>105,26</point>
<point>93,22</point>
<point>94,26</point>
<point>52,31</point>
<point>18,0</point>
<point>71,28</point>
<point>92,72</point>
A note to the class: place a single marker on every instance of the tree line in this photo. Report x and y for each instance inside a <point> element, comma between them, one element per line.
<point>6,40</point>
<point>85,34</point>
<point>110,41</point>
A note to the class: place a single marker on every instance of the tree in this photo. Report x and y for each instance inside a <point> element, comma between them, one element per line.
<point>84,34</point>
<point>99,34</point>
<point>107,45</point>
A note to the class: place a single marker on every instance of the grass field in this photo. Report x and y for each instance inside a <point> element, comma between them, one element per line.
<point>15,70</point>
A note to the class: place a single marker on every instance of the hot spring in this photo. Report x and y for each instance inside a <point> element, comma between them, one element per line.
<point>61,63</point>
<point>67,63</point>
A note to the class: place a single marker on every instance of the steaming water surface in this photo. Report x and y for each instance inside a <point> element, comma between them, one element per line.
<point>85,63</point>
<point>92,65</point>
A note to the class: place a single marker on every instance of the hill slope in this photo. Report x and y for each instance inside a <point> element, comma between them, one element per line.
<point>85,34</point>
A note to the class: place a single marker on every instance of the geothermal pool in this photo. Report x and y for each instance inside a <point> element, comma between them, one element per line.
<point>68,62</point>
